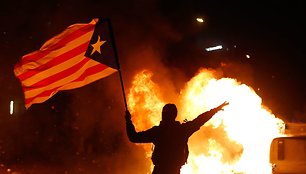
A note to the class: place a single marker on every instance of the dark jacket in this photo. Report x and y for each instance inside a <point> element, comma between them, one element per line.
<point>169,139</point>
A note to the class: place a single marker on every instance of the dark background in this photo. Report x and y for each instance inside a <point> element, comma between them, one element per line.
<point>273,34</point>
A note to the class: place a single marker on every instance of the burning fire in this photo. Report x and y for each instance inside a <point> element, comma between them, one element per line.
<point>236,140</point>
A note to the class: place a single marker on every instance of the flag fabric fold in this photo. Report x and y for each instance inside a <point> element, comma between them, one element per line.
<point>81,54</point>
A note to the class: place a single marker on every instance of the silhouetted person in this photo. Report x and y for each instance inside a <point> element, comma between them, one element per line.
<point>169,138</point>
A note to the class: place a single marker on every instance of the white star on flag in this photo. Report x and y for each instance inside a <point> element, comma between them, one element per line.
<point>97,46</point>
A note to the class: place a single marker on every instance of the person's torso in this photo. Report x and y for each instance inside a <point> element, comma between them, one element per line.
<point>170,145</point>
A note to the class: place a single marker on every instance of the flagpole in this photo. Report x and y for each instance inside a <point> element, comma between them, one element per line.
<point>117,60</point>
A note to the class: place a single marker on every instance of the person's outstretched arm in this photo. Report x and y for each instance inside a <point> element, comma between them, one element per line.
<point>195,124</point>
<point>137,137</point>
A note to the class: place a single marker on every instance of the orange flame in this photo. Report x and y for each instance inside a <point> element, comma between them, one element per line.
<point>236,140</point>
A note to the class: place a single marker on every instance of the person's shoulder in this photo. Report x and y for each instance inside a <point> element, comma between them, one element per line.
<point>179,124</point>
<point>187,124</point>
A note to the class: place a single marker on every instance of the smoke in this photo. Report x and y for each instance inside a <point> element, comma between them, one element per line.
<point>83,130</point>
<point>99,107</point>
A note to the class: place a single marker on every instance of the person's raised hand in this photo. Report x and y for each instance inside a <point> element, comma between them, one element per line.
<point>220,107</point>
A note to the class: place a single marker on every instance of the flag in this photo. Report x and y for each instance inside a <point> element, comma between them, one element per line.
<point>81,54</point>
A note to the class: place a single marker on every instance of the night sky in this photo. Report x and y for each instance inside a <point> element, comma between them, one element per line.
<point>272,34</point>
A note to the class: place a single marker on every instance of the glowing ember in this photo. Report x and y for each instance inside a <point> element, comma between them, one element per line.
<point>236,140</point>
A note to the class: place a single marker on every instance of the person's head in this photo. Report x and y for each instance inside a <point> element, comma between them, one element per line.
<point>169,112</point>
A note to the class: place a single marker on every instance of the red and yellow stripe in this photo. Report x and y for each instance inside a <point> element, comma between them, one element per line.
<point>60,64</point>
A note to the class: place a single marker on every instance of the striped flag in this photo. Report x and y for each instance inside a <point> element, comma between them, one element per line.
<point>81,54</point>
